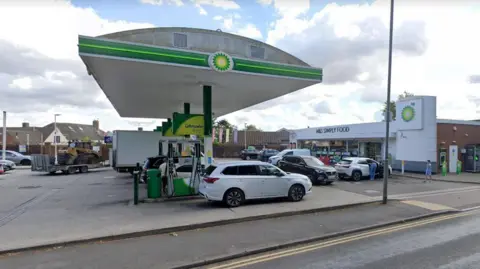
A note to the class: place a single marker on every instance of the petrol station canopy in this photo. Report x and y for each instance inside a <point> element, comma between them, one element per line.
<point>151,81</point>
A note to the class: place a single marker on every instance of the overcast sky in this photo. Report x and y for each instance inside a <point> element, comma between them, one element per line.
<point>436,52</point>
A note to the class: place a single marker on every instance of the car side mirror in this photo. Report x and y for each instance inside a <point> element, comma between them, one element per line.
<point>278,174</point>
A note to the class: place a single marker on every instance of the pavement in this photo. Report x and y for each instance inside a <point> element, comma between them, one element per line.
<point>184,248</point>
<point>443,243</point>
<point>471,178</point>
<point>39,209</point>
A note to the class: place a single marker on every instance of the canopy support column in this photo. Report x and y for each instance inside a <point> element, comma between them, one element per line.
<point>186,108</point>
<point>207,114</point>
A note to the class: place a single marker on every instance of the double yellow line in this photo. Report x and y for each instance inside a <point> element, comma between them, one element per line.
<point>298,250</point>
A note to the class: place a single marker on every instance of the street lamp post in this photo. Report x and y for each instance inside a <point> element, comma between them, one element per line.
<point>245,135</point>
<point>386,170</point>
<point>4,136</point>
<point>55,137</point>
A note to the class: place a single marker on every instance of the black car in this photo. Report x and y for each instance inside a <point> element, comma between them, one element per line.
<point>151,163</point>
<point>310,166</point>
<point>267,153</point>
<point>249,154</point>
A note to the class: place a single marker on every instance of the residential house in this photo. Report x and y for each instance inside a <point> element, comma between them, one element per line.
<point>9,138</point>
<point>72,131</point>
<point>66,132</point>
<point>25,135</point>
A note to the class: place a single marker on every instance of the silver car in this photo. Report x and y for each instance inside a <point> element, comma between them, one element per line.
<point>8,165</point>
<point>17,158</point>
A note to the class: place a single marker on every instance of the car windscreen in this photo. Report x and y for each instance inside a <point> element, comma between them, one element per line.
<point>313,162</point>
<point>345,161</point>
<point>283,152</point>
<point>210,169</point>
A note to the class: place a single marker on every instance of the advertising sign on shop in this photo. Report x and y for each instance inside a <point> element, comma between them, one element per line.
<point>167,129</point>
<point>330,130</point>
<point>188,124</point>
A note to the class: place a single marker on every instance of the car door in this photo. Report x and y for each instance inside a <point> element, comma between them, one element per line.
<point>302,167</point>
<point>364,167</point>
<point>285,164</point>
<point>250,181</point>
<point>273,184</point>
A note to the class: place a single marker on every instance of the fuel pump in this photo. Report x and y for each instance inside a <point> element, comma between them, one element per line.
<point>170,169</point>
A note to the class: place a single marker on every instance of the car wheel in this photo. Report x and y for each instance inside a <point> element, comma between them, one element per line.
<point>84,169</point>
<point>25,162</point>
<point>233,197</point>
<point>313,179</point>
<point>71,170</point>
<point>328,183</point>
<point>357,175</point>
<point>296,193</point>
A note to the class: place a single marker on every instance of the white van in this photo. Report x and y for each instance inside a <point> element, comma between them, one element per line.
<point>297,152</point>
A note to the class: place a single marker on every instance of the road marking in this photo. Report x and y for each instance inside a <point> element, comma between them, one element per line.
<point>333,242</point>
<point>427,205</point>
<point>433,193</point>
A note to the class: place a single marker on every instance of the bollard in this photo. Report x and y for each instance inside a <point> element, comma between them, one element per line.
<point>444,168</point>
<point>136,175</point>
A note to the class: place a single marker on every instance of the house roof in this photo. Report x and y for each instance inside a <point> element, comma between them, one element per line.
<point>26,135</point>
<point>73,131</point>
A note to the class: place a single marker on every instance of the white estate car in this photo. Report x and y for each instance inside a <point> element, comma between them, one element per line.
<point>235,182</point>
<point>287,152</point>
<point>358,167</point>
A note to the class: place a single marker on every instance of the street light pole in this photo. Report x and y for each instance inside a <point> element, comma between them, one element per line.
<point>245,135</point>
<point>386,170</point>
<point>55,136</point>
<point>4,136</point>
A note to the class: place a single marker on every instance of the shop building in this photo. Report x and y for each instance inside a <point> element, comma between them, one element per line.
<point>415,137</point>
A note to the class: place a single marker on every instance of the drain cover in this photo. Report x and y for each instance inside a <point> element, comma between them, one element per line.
<point>29,187</point>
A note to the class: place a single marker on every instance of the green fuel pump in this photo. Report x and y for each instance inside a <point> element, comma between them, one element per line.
<point>183,183</point>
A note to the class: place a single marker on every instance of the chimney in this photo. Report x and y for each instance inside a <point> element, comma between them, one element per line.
<point>140,128</point>
<point>25,125</point>
<point>96,125</point>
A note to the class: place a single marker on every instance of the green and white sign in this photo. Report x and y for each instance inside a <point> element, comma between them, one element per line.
<point>409,114</point>
<point>188,124</point>
<point>220,62</point>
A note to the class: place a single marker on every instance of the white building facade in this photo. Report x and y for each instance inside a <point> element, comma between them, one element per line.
<point>412,137</point>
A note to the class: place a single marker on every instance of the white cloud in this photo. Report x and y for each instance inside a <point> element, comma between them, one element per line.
<point>161,2</point>
<point>224,4</point>
<point>250,31</point>
<point>218,18</point>
<point>41,71</point>
<point>435,53</point>
<point>201,10</point>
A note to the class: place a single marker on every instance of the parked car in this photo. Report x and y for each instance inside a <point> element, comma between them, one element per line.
<point>16,157</point>
<point>265,154</point>
<point>235,182</point>
<point>151,163</point>
<point>286,152</point>
<point>7,165</point>
<point>358,168</point>
<point>313,168</point>
<point>249,154</point>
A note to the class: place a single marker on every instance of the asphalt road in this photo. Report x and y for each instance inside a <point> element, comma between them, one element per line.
<point>443,244</point>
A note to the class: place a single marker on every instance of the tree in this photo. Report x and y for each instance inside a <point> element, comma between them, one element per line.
<point>223,124</point>
<point>251,127</point>
<point>393,104</point>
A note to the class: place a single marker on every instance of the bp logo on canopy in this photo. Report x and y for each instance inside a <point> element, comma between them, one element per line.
<point>220,62</point>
